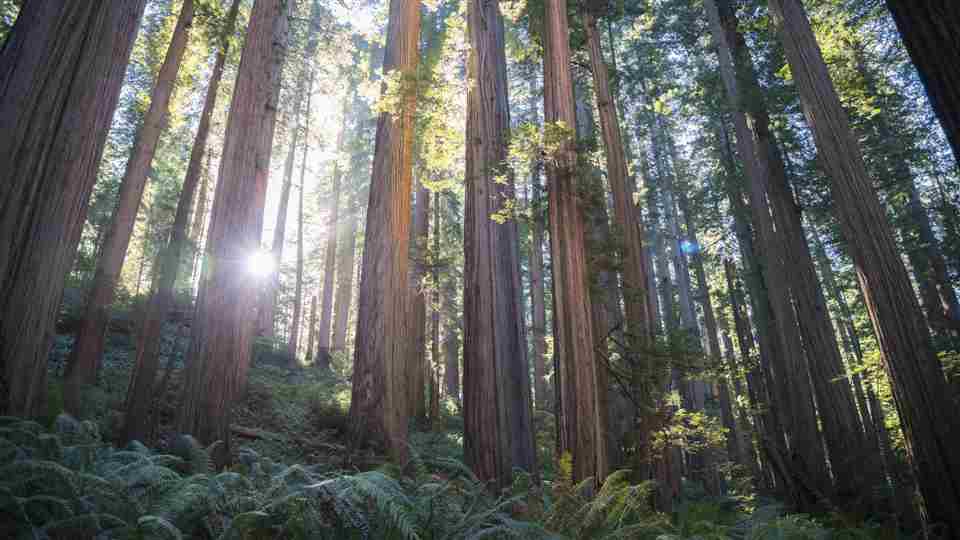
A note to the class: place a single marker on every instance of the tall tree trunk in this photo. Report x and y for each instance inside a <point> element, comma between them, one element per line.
<point>417,353</point>
<point>61,69</point>
<point>200,210</point>
<point>140,392</point>
<point>636,304</point>
<point>778,249</point>
<point>311,331</point>
<point>294,340</point>
<point>268,303</point>
<point>928,30</point>
<point>915,372</point>
<point>379,402</point>
<point>330,253</point>
<point>435,318</point>
<point>345,269</point>
<point>573,335</point>
<point>498,430</point>
<point>223,326</point>
<point>88,346</point>
<point>538,314</point>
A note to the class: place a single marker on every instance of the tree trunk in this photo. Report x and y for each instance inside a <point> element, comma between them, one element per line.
<point>915,372</point>
<point>330,253</point>
<point>538,315</point>
<point>417,354</point>
<point>345,269</point>
<point>435,318</point>
<point>312,331</point>
<point>223,326</point>
<point>294,341</point>
<point>573,335</point>
<point>379,398</point>
<point>765,171</point>
<point>928,30</point>
<point>88,347</point>
<point>637,307</point>
<point>498,430</point>
<point>268,303</point>
<point>61,69</point>
<point>200,211</point>
<point>140,392</point>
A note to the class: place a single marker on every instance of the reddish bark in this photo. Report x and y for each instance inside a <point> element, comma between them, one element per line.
<point>140,392</point>
<point>61,69</point>
<point>224,324</point>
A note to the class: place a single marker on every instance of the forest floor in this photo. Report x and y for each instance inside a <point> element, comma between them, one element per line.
<point>293,476</point>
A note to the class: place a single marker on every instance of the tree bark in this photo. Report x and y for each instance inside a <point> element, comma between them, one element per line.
<point>417,354</point>
<point>88,347</point>
<point>435,318</point>
<point>330,253</point>
<point>538,314</point>
<point>929,33</point>
<point>61,69</point>
<point>312,331</point>
<point>777,242</point>
<point>268,303</point>
<point>573,335</point>
<point>345,269</point>
<point>915,372</point>
<point>140,392</point>
<point>498,430</point>
<point>633,274</point>
<point>379,398</point>
<point>224,325</point>
<point>294,341</point>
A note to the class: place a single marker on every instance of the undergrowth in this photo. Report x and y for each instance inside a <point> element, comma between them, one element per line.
<point>67,483</point>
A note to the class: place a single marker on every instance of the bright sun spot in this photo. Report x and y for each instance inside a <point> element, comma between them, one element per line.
<point>260,263</point>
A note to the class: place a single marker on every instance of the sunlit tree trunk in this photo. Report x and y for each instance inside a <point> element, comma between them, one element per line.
<point>268,302</point>
<point>915,372</point>
<point>573,335</point>
<point>538,314</point>
<point>434,370</point>
<point>224,322</point>
<point>61,69</point>
<point>330,253</point>
<point>294,339</point>
<point>88,347</point>
<point>140,393</point>
<point>498,430</point>
<point>379,398</point>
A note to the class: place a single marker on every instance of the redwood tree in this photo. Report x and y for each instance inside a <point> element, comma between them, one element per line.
<point>88,346</point>
<point>920,392</point>
<point>378,399</point>
<point>140,392</point>
<point>61,69</point>
<point>573,334</point>
<point>224,326</point>
<point>929,31</point>
<point>498,432</point>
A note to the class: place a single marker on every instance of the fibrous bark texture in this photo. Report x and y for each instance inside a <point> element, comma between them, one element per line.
<point>61,69</point>
<point>498,432</point>
<point>379,404</point>
<point>573,333</point>
<point>224,323</point>
<point>916,376</point>
<point>140,392</point>
<point>88,346</point>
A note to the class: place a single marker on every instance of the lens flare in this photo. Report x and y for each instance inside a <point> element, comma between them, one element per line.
<point>260,263</point>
